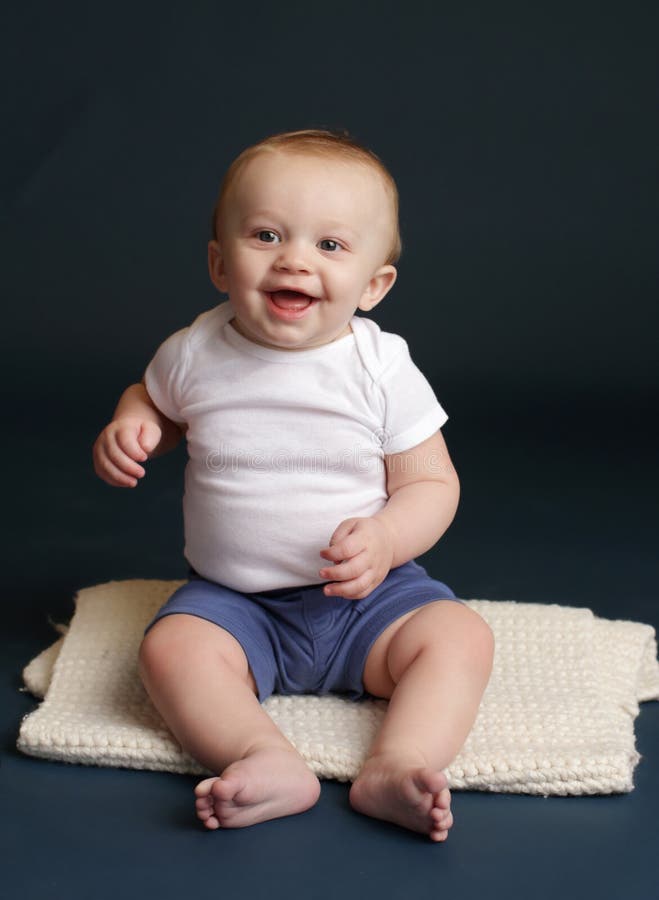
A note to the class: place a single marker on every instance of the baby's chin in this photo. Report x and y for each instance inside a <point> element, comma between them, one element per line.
<point>292,341</point>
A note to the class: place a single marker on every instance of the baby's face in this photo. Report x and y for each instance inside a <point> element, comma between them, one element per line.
<point>302,245</point>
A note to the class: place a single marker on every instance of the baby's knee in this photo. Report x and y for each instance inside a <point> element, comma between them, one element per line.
<point>177,646</point>
<point>483,641</point>
<point>464,630</point>
<point>476,636</point>
<point>160,649</point>
<point>153,652</point>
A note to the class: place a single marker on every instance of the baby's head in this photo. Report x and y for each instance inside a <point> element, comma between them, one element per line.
<point>305,232</point>
<point>321,145</point>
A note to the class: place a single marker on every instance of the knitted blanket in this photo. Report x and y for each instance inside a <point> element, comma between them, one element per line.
<point>557,716</point>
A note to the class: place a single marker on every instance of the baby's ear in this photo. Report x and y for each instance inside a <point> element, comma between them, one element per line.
<point>380,284</point>
<point>216,267</point>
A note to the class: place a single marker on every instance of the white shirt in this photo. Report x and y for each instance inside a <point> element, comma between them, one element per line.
<point>284,445</point>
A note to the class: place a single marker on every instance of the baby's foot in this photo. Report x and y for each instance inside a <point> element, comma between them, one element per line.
<point>266,784</point>
<point>415,797</point>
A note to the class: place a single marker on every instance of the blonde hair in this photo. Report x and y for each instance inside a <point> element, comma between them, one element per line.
<point>315,142</point>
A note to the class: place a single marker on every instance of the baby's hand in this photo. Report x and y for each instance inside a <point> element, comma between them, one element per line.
<point>362,550</point>
<point>121,446</point>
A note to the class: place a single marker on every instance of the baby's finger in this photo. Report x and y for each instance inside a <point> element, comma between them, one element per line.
<point>346,549</point>
<point>342,531</point>
<point>356,589</point>
<point>127,440</point>
<point>347,570</point>
<point>122,461</point>
<point>149,436</point>
<point>113,475</point>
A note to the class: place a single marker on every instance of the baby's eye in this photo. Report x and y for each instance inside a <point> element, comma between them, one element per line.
<point>268,237</point>
<point>329,244</point>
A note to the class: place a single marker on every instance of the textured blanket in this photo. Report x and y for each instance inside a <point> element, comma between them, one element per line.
<point>557,716</point>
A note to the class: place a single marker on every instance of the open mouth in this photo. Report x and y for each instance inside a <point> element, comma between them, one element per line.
<point>290,304</point>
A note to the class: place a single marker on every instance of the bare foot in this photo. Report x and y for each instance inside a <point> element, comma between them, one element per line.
<point>415,797</point>
<point>266,784</point>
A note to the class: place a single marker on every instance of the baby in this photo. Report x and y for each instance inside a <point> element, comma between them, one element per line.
<point>317,472</point>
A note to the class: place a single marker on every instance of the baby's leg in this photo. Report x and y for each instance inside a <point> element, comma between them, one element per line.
<point>198,678</point>
<point>434,663</point>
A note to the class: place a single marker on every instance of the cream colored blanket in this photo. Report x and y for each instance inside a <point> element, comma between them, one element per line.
<point>557,716</point>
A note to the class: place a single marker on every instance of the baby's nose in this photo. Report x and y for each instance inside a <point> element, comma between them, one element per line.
<point>293,258</point>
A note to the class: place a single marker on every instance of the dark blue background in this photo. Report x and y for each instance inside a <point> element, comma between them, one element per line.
<point>523,138</point>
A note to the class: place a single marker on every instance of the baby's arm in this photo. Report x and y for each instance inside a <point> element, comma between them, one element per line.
<point>137,432</point>
<point>423,491</point>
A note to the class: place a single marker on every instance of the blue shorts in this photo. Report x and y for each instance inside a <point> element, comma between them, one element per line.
<point>297,640</point>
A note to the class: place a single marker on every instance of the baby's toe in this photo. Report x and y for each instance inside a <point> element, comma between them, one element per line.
<point>203,805</point>
<point>438,836</point>
<point>443,799</point>
<point>206,814</point>
<point>203,789</point>
<point>224,789</point>
<point>441,819</point>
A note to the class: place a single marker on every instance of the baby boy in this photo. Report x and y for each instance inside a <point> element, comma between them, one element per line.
<point>317,472</point>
